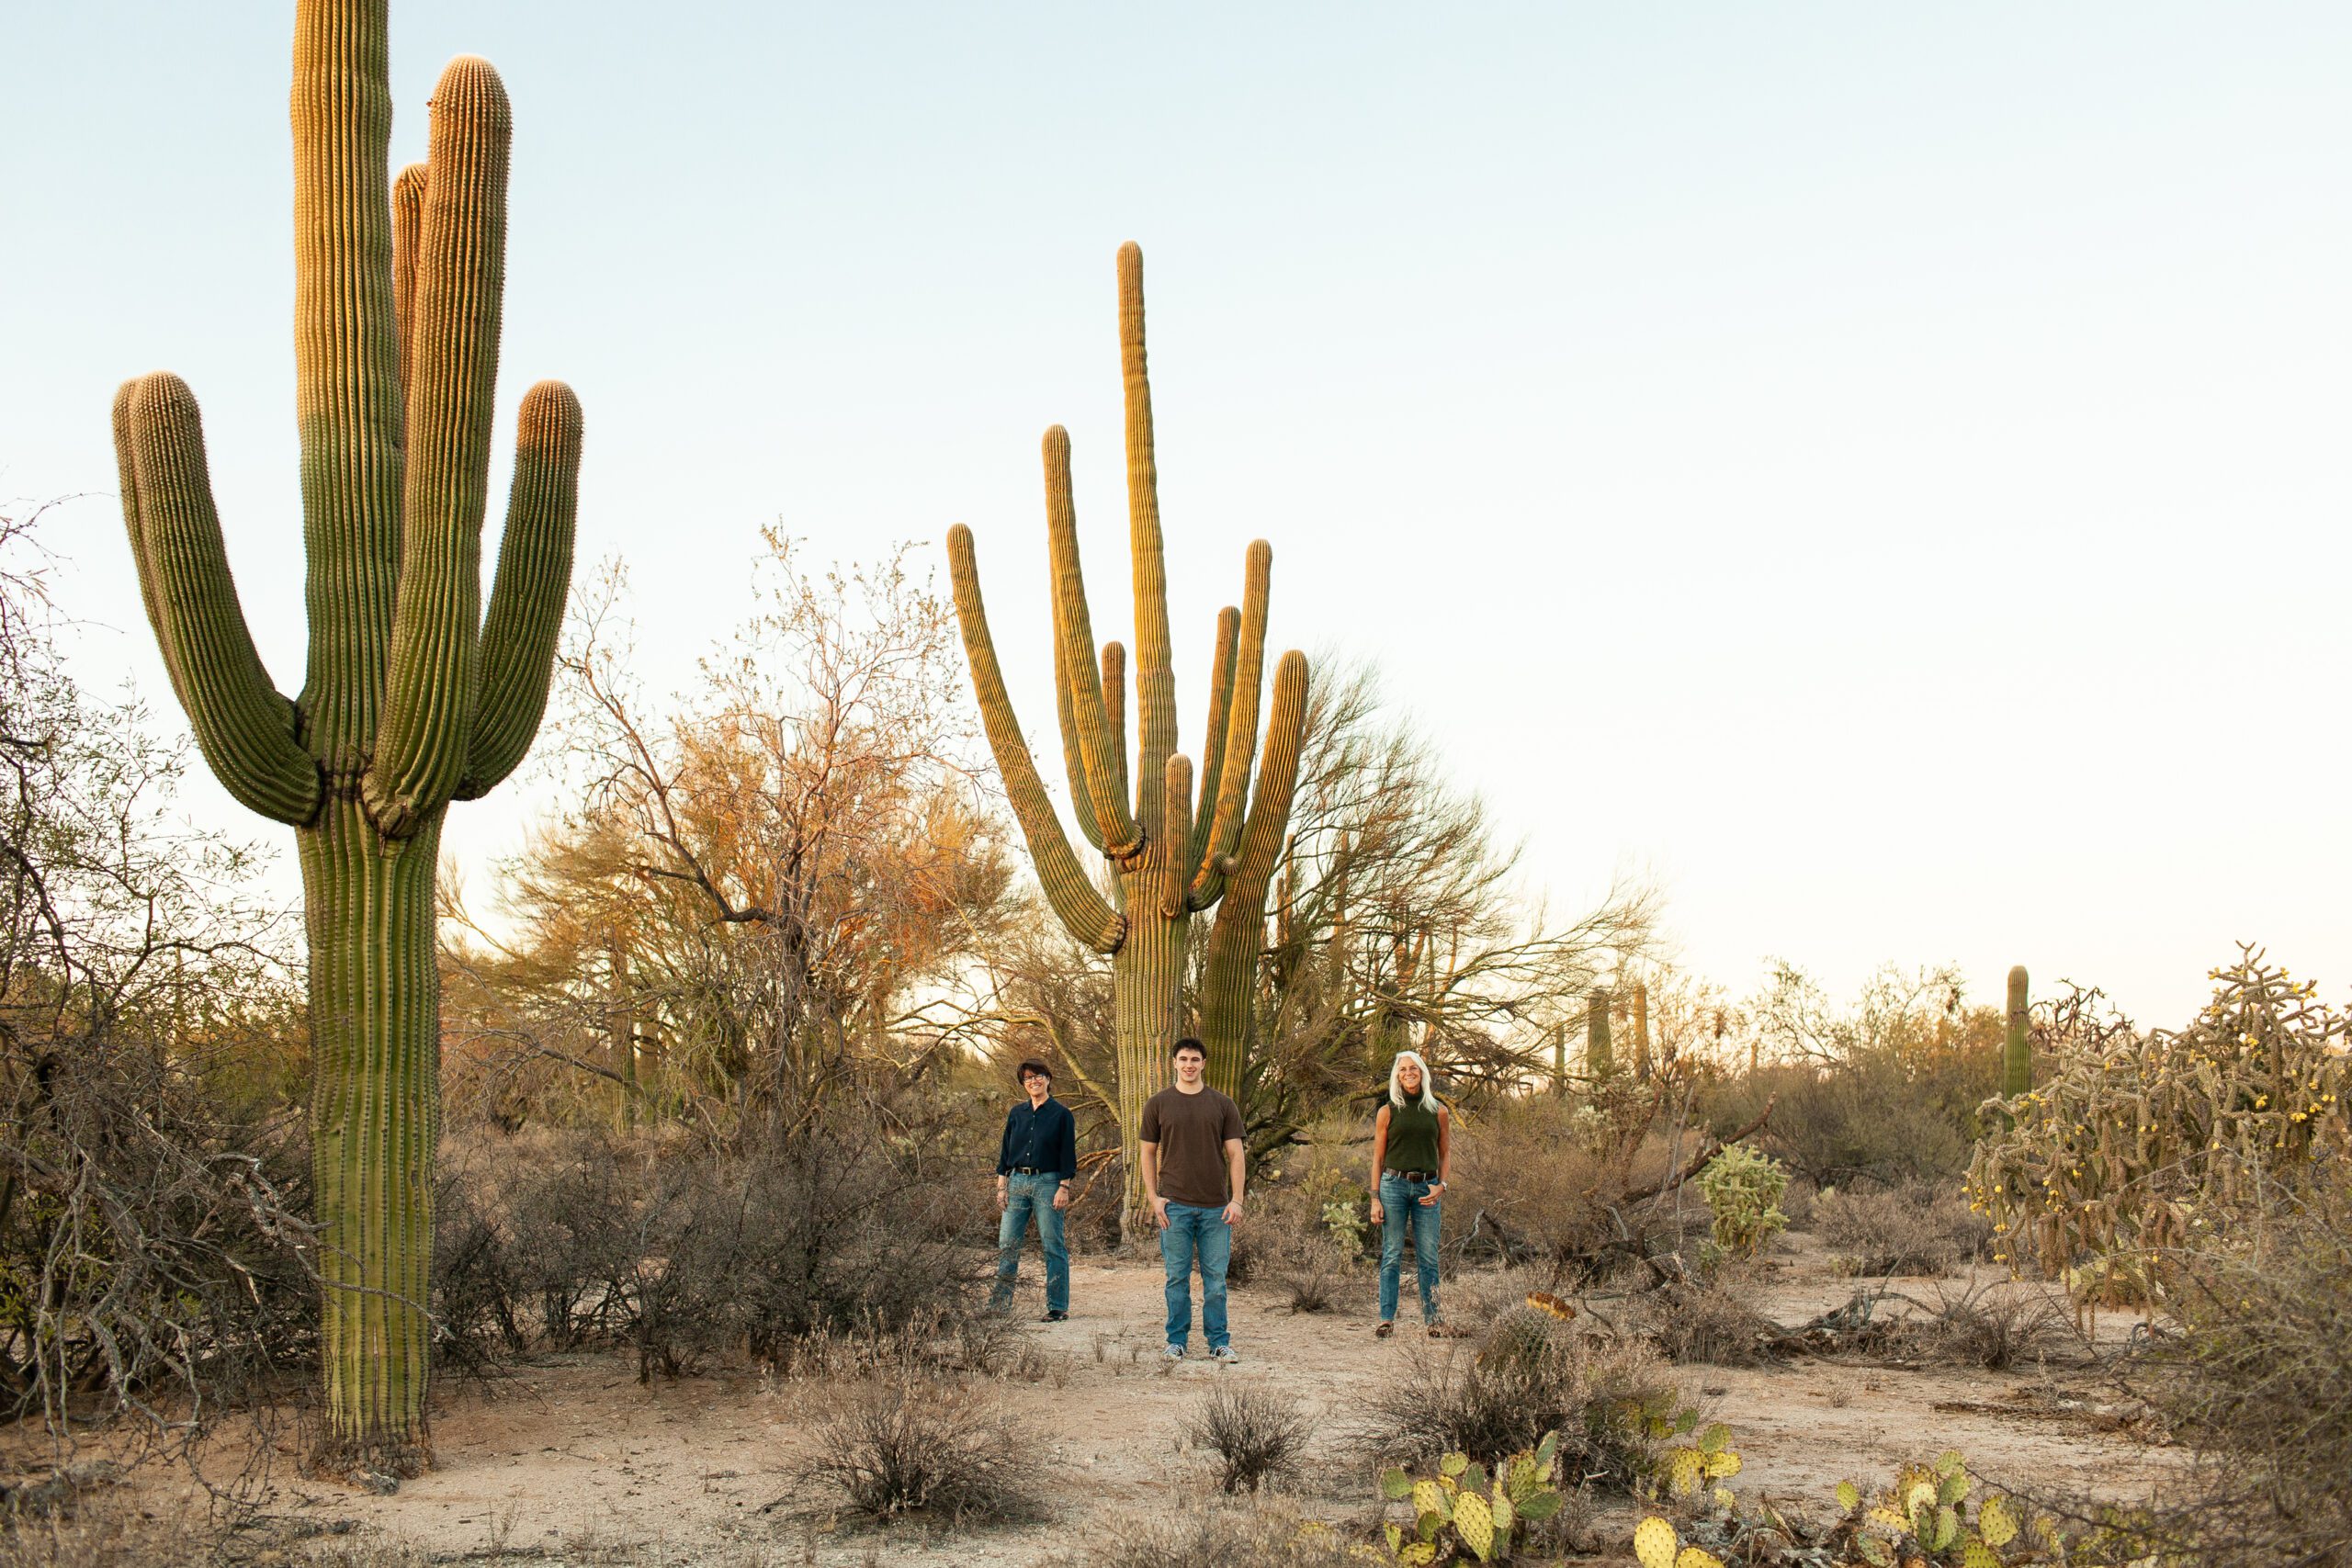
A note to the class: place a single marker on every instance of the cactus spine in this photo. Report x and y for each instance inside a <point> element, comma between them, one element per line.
<point>412,698</point>
<point>1170,858</point>
<point>1600,1062</point>
<point>2017,1054</point>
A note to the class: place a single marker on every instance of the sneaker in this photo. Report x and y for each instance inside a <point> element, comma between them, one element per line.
<point>1055,1315</point>
<point>1174,1352</point>
<point>1223,1354</point>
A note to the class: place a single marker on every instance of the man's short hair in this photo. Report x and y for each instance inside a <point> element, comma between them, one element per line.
<point>1188,1043</point>
<point>1033,1065</point>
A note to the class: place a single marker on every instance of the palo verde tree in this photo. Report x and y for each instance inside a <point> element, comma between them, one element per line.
<point>412,698</point>
<point>1170,858</point>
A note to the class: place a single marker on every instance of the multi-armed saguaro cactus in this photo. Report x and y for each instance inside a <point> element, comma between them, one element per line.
<point>1170,858</point>
<point>412,698</point>
<point>2016,1052</point>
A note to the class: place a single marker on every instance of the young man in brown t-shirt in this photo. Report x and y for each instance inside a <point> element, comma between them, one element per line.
<point>1193,1162</point>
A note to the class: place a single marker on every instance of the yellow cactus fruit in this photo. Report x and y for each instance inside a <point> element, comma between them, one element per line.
<point>1475,1522</point>
<point>1654,1542</point>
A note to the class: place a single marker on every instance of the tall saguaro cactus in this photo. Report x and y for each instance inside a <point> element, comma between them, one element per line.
<point>1172,855</point>
<point>2017,1050</point>
<point>412,697</point>
<point>1600,1061</point>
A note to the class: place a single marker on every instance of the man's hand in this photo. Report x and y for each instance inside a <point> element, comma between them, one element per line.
<point>1378,1213</point>
<point>1233,1212</point>
<point>1003,1195</point>
<point>1160,1209</point>
<point>1061,1196</point>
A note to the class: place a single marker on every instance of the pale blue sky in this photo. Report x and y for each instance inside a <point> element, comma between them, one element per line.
<point>1880,467</point>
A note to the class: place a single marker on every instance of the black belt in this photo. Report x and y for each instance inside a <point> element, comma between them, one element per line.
<point>1031,1170</point>
<point>1413,1175</point>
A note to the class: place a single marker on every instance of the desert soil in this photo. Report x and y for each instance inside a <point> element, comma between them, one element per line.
<point>571,1453</point>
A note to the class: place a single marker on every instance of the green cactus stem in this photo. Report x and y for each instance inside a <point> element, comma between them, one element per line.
<point>1642,1064</point>
<point>2017,1051</point>
<point>1173,854</point>
<point>413,697</point>
<point>1600,1061</point>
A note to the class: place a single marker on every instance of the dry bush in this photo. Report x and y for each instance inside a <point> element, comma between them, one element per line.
<point>1530,1375</point>
<point>1876,1116</point>
<point>1257,1435</point>
<point>1311,1280</point>
<point>905,1442</point>
<point>1990,1326</point>
<point>1228,1536</point>
<point>2258,1382</point>
<point>1545,1182</point>
<point>1707,1319</point>
<point>1918,1227</point>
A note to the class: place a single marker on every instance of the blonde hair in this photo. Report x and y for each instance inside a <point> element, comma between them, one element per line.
<point>1428,1081</point>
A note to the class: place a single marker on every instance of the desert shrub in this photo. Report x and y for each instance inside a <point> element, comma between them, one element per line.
<point>1251,1536</point>
<point>1257,1435</point>
<point>1992,1326</point>
<point>1707,1319</point>
<point>1541,1182</point>
<point>1879,1114</point>
<point>1531,1376</point>
<point>1311,1278</point>
<point>1743,1191</point>
<point>684,1253</point>
<point>908,1443</point>
<point>1919,1227</point>
<point>2137,1146</point>
<point>2259,1382</point>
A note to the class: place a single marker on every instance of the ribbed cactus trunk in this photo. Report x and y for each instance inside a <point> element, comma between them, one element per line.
<point>1171,858</point>
<point>2017,1051</point>
<point>1600,1062</point>
<point>413,697</point>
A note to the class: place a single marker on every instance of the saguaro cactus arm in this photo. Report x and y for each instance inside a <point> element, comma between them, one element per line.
<point>347,374</point>
<point>1176,809</point>
<point>1073,897</point>
<point>407,222</point>
<point>452,359</point>
<point>2017,1050</point>
<point>248,732</point>
<point>1229,633</point>
<point>1081,798</point>
<point>1242,727</point>
<point>519,635</point>
<point>1261,839</point>
<point>1118,832</point>
<point>1155,658</point>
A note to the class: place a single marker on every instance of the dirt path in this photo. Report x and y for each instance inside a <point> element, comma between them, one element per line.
<point>572,1453</point>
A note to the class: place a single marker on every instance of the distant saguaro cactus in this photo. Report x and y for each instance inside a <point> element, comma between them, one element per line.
<point>1642,1064</point>
<point>1599,1061</point>
<point>1170,858</point>
<point>412,697</point>
<point>2017,1054</point>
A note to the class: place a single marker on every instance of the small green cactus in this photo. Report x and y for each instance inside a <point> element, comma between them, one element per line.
<point>1461,1512</point>
<point>1743,1188</point>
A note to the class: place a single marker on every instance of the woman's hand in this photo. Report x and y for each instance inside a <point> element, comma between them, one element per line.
<point>1430,1199</point>
<point>1378,1213</point>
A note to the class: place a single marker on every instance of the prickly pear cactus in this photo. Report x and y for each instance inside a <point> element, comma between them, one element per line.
<point>1461,1511</point>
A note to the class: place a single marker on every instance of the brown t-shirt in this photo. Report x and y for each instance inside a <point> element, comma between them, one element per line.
<point>1192,1130</point>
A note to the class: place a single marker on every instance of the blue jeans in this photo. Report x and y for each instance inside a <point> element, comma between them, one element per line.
<point>1194,1230</point>
<point>1401,1202</point>
<point>1025,1195</point>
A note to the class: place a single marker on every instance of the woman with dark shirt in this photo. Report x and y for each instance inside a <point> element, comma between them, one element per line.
<point>1412,1146</point>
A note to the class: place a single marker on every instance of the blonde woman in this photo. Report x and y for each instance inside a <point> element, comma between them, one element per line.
<point>1412,1146</point>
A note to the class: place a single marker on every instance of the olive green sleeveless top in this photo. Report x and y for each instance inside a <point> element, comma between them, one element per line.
<point>1412,1138</point>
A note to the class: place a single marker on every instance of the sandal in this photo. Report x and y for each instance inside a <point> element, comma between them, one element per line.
<point>1384,1330</point>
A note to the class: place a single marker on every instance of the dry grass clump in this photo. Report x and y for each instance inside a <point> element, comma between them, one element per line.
<point>906,1442</point>
<point>1709,1320</point>
<point>1257,1435</point>
<point>1915,1227</point>
<point>1992,1326</point>
<point>1528,1376</point>
<point>1228,1537</point>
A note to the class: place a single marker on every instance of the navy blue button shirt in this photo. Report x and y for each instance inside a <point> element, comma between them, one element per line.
<point>1043,1137</point>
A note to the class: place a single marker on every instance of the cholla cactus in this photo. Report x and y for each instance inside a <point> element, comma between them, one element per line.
<point>2137,1145</point>
<point>1743,1186</point>
<point>1460,1510</point>
<point>412,696</point>
<point>1170,857</point>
